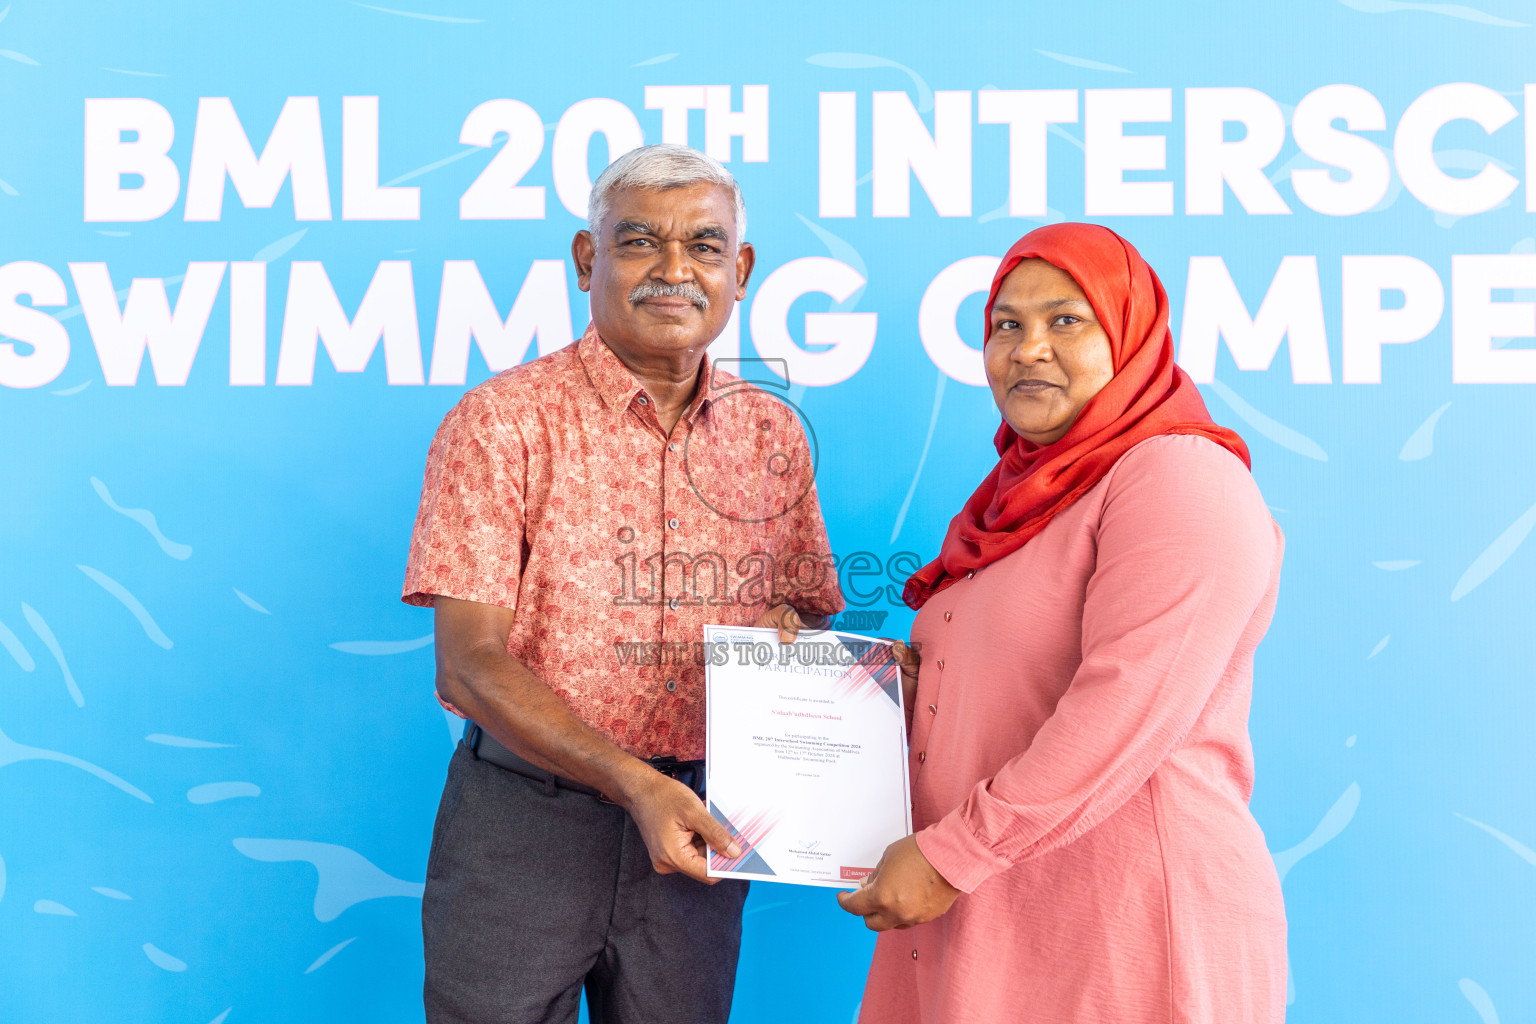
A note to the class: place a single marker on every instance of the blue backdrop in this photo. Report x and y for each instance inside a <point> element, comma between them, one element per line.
<point>219,753</point>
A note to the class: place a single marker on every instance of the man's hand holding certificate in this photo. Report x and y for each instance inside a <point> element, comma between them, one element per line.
<point>806,754</point>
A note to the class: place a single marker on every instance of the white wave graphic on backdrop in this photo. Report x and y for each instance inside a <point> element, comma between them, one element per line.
<point>1495,555</point>
<point>182,741</point>
<point>1421,443</point>
<point>268,253</point>
<point>1522,851</point>
<point>419,16</point>
<point>111,894</point>
<point>346,876</point>
<point>1061,133</point>
<point>864,61</point>
<point>163,960</point>
<point>325,958</point>
<point>145,518</point>
<point>45,634</point>
<point>12,752</point>
<point>1479,1000</point>
<point>52,908</point>
<point>382,647</point>
<point>839,249</point>
<point>434,165</point>
<point>1278,432</point>
<point>1460,11</point>
<point>213,792</point>
<point>1083,62</point>
<point>1051,215</point>
<point>660,58</point>
<point>1333,822</point>
<point>250,602</point>
<point>134,606</point>
<point>13,646</point>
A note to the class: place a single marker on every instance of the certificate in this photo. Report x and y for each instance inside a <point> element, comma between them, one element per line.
<point>806,754</point>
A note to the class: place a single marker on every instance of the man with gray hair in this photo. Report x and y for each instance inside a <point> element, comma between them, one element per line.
<point>582,517</point>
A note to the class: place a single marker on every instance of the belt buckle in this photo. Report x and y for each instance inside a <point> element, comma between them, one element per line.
<point>668,765</point>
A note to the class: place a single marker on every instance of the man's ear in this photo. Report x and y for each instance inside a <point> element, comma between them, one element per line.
<point>583,252</point>
<point>746,259</point>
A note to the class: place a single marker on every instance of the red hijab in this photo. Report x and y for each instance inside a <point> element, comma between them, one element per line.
<point>1148,395</point>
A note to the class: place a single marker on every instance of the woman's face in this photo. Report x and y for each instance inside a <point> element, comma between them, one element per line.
<point>1047,354</point>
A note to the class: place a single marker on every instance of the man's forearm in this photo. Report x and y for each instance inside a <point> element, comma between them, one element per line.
<point>505,698</point>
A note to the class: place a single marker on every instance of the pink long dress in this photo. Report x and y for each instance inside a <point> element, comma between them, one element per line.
<point>1081,766</point>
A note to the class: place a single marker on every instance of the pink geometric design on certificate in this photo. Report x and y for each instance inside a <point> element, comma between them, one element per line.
<point>872,674</point>
<point>752,830</point>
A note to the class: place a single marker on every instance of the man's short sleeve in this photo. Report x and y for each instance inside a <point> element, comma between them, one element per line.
<point>468,540</point>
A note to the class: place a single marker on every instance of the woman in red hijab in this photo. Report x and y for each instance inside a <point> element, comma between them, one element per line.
<point>1080,758</point>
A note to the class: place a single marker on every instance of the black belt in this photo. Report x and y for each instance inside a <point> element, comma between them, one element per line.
<point>485,747</point>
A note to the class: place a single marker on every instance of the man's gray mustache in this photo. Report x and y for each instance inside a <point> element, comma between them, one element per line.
<point>660,290</point>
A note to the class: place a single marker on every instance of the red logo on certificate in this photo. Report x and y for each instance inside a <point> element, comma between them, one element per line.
<point>853,874</point>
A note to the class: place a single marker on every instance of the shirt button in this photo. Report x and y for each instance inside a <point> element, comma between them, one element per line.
<point>914,954</point>
<point>672,604</point>
<point>922,755</point>
<point>643,400</point>
<point>672,522</point>
<point>941,663</point>
<point>933,709</point>
<point>672,447</point>
<point>971,574</point>
<point>948,616</point>
<point>671,684</point>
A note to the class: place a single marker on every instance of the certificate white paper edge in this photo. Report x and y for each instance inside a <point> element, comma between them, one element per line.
<point>771,635</point>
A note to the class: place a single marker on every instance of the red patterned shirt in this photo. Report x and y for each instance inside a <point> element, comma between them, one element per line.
<point>552,490</point>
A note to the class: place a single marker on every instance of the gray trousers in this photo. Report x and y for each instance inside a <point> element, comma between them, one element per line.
<point>534,892</point>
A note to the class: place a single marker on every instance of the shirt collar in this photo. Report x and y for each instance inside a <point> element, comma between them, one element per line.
<point>617,386</point>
